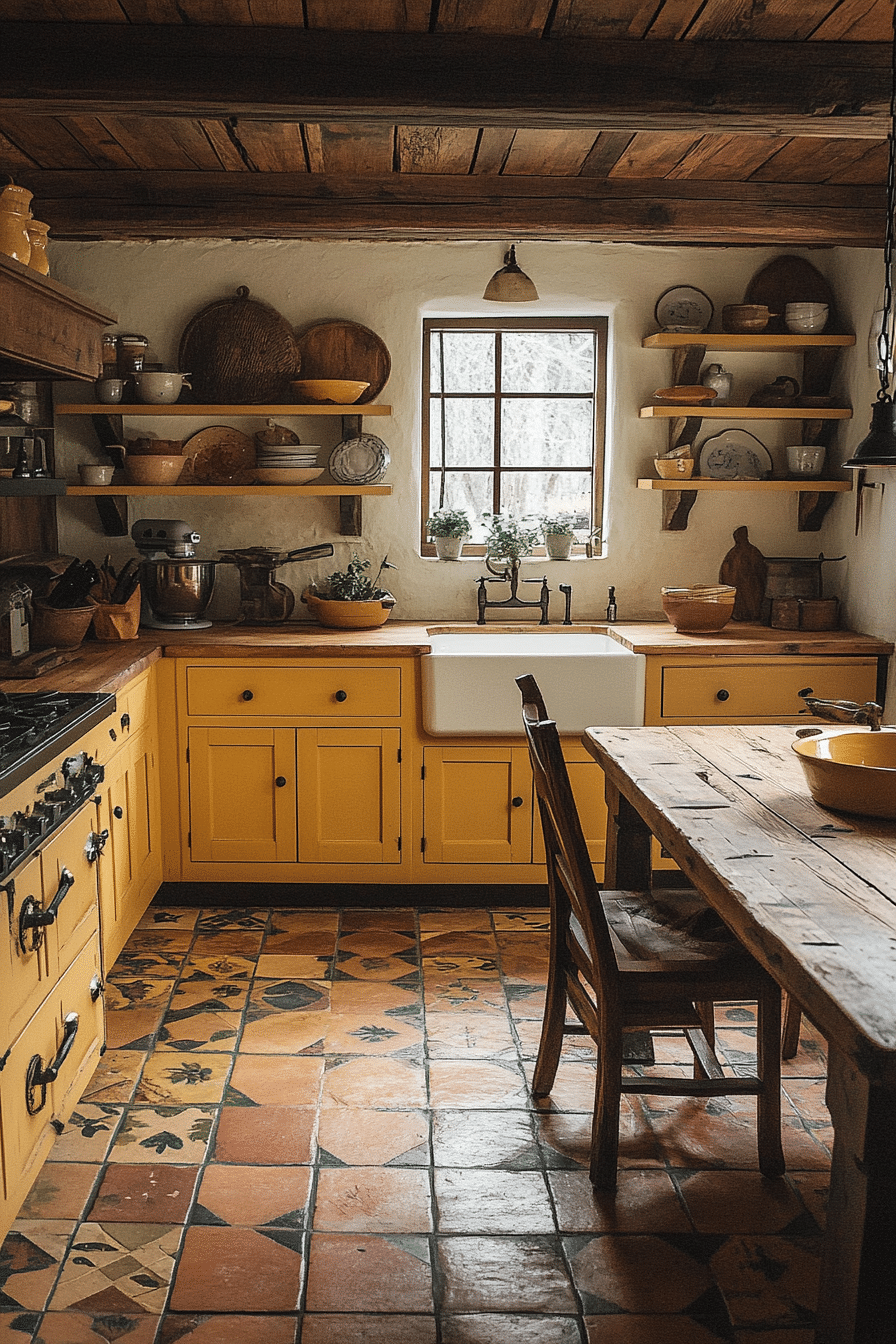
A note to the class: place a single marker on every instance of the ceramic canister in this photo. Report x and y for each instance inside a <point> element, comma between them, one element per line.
<point>37,236</point>
<point>14,206</point>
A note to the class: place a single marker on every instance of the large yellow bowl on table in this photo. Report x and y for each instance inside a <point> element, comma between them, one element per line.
<point>851,771</point>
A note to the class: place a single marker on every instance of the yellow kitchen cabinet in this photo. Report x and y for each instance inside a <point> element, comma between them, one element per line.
<point>349,797</point>
<point>587,781</point>
<point>242,795</point>
<point>262,692</point>
<point>477,805</point>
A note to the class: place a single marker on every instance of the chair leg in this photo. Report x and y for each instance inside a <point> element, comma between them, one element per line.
<point>552,1026</point>
<point>790,1036</point>
<point>605,1125</point>
<point>706,1011</point>
<point>768,1067</point>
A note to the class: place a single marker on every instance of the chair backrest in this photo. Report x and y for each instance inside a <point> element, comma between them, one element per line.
<point>572,886</point>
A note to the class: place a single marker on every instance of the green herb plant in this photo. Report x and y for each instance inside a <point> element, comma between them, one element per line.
<point>560,526</point>
<point>509,538</point>
<point>448,523</point>
<point>353,584</point>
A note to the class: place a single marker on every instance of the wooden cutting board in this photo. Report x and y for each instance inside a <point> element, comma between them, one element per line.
<point>790,280</point>
<point>336,348</point>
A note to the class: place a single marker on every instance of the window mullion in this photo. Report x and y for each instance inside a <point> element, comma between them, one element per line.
<point>496,487</point>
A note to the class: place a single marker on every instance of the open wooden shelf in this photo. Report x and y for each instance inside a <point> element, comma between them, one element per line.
<point>723,340</point>
<point>343,491</point>
<point>707,410</point>
<point>808,485</point>
<point>679,497</point>
<point>179,408</point>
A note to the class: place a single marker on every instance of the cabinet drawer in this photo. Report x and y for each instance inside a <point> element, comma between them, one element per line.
<point>295,692</point>
<point>762,690</point>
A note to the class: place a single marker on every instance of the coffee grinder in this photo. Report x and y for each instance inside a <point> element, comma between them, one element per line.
<point>264,601</point>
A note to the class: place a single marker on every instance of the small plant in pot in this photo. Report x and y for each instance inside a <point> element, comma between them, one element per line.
<point>352,600</point>
<point>508,539</point>
<point>559,536</point>
<point>448,528</point>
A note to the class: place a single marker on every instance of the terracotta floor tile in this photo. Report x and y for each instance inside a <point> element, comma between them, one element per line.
<point>265,1135</point>
<point>170,1077</point>
<point>238,1269</point>
<point>358,1273</point>
<point>525,1001</point>
<point>768,1282</point>
<point>168,917</point>
<point>133,1030</point>
<point>88,1134</point>
<point>476,1083</point>
<point>118,1268</point>
<point>351,997</point>
<point>447,921</point>
<point>470,1036</point>
<point>741,1201</point>
<point>233,943</point>
<point>446,991</point>
<point>376,943</point>
<point>124,994</point>
<point>660,1330</point>
<point>61,1190</point>
<point>643,1201</point>
<point>31,1255</point>
<point>178,1134</point>
<point>368,1329</point>
<point>813,1188</point>
<point>643,1275</point>
<point>458,942</point>
<point>144,1194</point>
<point>298,921</point>
<point>284,965</point>
<point>78,1327</point>
<point>226,918</point>
<point>201,1328</point>
<point>489,1328</point>
<point>400,968</point>
<point>477,1201</point>
<point>275,1080</point>
<point>722,1133</point>
<point>524,956</point>
<point>363,1138</point>
<point>464,966</point>
<point>374,1033</point>
<point>276,1033</point>
<point>160,941</point>
<point>387,1084</point>
<point>252,1196</point>
<point>200,1032</point>
<point>471,1138</point>
<point>504,1274</point>
<point>565,1138</point>
<point>572,1090</point>
<point>136,962</point>
<point>115,1078</point>
<point>372,1199</point>
<point>218,996</point>
<point>213,966</point>
<point>400,919</point>
<point>534,919</point>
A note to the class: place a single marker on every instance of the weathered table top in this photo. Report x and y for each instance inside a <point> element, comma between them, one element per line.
<point>811,892</point>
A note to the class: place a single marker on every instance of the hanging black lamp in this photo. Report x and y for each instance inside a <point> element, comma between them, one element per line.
<point>510,284</point>
<point>878,448</point>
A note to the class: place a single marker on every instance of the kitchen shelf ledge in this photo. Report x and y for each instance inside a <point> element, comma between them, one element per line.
<point>723,340</point>
<point>709,411</point>
<point>243,411</point>
<point>679,497</point>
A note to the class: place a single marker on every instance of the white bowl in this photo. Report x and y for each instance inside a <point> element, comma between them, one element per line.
<point>805,459</point>
<point>805,318</point>
<point>159,389</point>
<point>287,475</point>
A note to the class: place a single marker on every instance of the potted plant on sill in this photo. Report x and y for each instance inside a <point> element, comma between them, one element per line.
<point>352,600</point>
<point>508,539</point>
<point>448,528</point>
<point>559,536</point>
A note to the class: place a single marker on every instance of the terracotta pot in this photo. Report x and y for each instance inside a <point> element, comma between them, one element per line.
<point>37,237</point>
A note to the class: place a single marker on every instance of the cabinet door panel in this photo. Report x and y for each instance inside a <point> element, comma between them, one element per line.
<point>77,920</point>
<point>349,795</point>
<point>238,812</point>
<point>24,972</point>
<point>469,807</point>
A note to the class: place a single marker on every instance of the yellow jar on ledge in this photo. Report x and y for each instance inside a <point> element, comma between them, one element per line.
<point>15,204</point>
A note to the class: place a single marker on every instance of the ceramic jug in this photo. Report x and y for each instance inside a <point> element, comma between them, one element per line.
<point>37,236</point>
<point>719,380</point>
<point>14,220</point>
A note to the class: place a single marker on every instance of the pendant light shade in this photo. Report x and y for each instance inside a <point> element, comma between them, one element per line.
<point>510,284</point>
<point>878,448</point>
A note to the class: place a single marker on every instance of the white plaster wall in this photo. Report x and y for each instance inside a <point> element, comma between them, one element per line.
<point>156,287</point>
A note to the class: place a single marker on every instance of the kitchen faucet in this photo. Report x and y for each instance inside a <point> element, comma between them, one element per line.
<point>511,574</point>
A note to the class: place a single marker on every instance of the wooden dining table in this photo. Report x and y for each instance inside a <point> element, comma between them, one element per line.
<point>812,893</point>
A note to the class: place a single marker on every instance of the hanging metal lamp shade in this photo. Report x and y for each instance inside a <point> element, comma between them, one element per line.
<point>510,284</point>
<point>878,448</point>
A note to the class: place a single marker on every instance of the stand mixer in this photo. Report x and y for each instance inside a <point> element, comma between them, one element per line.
<point>264,601</point>
<point>176,587</point>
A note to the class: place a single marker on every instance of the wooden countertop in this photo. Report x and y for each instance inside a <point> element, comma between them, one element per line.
<point>108,667</point>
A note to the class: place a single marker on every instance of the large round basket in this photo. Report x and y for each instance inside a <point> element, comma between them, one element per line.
<point>241,351</point>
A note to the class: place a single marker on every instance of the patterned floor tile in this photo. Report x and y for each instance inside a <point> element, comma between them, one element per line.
<point>252,1196</point>
<point>646,1275</point>
<point>378,943</point>
<point>742,1201</point>
<point>374,1034</point>
<point>88,1134</point>
<point>437,943</point>
<point>504,1274</point>
<point>365,1138</point>
<point>524,956</point>
<point>115,1079</point>
<point>30,1257</point>
<point>400,968</point>
<point>96,1327</point>
<point>662,1330</point>
<point>535,920</point>
<point>448,992</point>
<point>769,1282</point>
<point>239,1269</point>
<point>199,1328</point>
<point>813,1188</point>
<point>293,966</point>
<point>118,1267</point>
<point>214,968</point>
<point>449,921</point>
<point>161,941</point>
<point>477,1083</point>
<point>643,1201</point>
<point>140,993</point>
<point>470,1036</point>
<point>227,943</point>
<point>358,1273</point>
<point>463,966</point>
<point>471,1138</point>
<point>477,1201</point>
<point>265,1135</point>
<point>222,996</point>
<point>382,1084</point>
<point>178,1134</point>
<point>61,1190</point>
<point>134,1029</point>
<point>349,997</point>
<point>168,917</point>
<point>286,1017</point>
<point>368,1329</point>
<point>508,1328</point>
<point>248,919</point>
<point>144,1193</point>
<point>372,1199</point>
<point>137,963</point>
<point>274,1080</point>
<point>206,1032</point>
<point>565,1138</point>
<point>172,1078</point>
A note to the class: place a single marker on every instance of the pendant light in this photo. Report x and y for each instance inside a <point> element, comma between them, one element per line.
<point>878,448</point>
<point>510,284</point>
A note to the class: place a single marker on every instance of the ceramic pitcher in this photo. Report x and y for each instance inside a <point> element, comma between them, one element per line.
<point>720,380</point>
<point>37,236</point>
<point>14,208</point>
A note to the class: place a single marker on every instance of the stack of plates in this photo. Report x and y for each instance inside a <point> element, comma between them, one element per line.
<point>287,464</point>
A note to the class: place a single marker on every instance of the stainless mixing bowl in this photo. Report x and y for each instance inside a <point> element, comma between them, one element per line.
<point>179,590</point>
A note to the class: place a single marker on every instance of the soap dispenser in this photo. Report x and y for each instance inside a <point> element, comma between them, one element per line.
<point>719,380</point>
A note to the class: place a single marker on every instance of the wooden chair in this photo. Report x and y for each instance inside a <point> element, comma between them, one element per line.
<point>633,960</point>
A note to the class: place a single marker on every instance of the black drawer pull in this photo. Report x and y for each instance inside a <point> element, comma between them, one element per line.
<point>723,695</point>
<point>118,813</point>
<point>340,696</point>
<point>280,781</point>
<point>516,802</point>
<point>32,915</point>
<point>38,1077</point>
<point>125,721</point>
<point>248,695</point>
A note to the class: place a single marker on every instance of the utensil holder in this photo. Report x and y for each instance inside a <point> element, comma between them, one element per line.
<point>59,627</point>
<point>115,621</point>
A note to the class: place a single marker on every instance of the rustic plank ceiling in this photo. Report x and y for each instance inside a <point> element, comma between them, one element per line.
<point>670,121</point>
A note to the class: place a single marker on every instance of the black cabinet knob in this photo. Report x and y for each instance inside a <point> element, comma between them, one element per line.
<point>248,695</point>
<point>340,696</point>
<point>118,812</point>
<point>125,721</point>
<point>516,802</point>
<point>280,781</point>
<point>722,695</point>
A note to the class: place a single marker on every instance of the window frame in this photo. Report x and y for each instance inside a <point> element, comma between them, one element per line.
<point>600,326</point>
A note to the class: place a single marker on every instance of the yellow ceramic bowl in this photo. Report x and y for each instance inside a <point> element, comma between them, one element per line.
<point>701,610</point>
<point>339,391</point>
<point>852,771</point>
<point>348,615</point>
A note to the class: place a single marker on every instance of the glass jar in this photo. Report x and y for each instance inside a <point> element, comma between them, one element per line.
<point>131,353</point>
<point>110,356</point>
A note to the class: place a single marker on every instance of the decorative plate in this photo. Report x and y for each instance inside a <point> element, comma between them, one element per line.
<point>683,308</point>
<point>685,394</point>
<point>359,461</point>
<point>218,455</point>
<point>735,455</point>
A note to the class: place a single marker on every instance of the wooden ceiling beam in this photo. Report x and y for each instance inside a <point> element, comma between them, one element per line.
<point>128,204</point>
<point>455,79</point>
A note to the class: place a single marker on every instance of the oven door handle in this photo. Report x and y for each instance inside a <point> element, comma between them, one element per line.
<point>39,1077</point>
<point>33,916</point>
<point>96,843</point>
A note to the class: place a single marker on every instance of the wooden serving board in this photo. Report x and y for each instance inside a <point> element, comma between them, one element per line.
<point>337,348</point>
<point>790,280</point>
